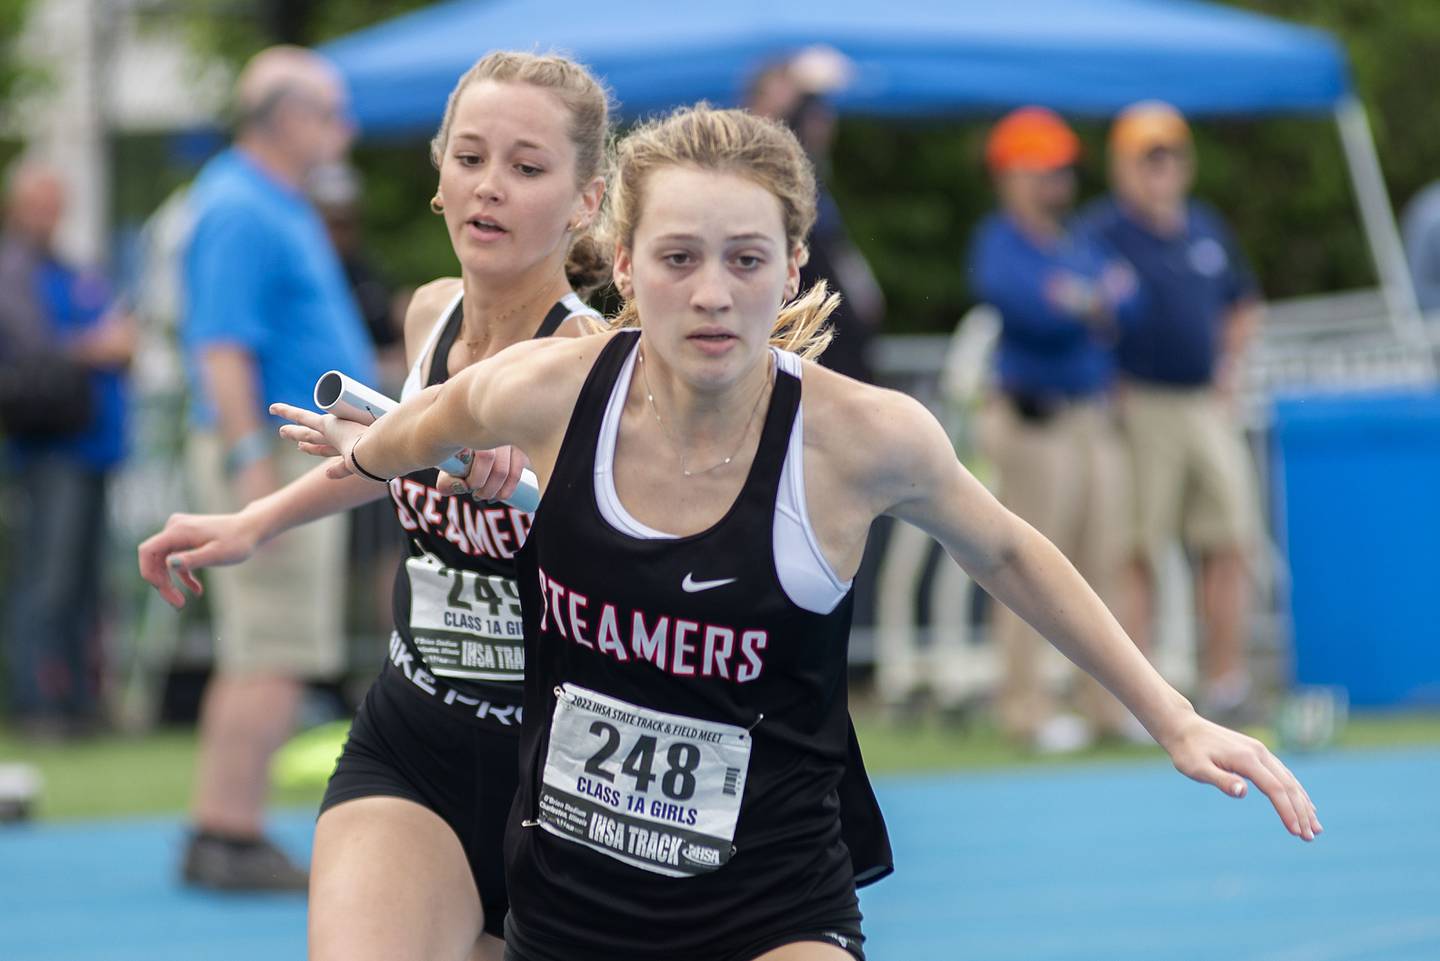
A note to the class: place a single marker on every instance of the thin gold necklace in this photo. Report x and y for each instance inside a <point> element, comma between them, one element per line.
<point>675,446</point>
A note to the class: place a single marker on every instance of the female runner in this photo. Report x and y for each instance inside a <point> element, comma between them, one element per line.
<point>686,580</point>
<point>407,857</point>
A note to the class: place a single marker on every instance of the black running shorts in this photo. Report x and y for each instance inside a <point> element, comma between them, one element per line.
<point>846,936</point>
<point>405,743</point>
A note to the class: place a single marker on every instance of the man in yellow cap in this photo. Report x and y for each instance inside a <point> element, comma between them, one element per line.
<point>1178,363</point>
<point>1062,300</point>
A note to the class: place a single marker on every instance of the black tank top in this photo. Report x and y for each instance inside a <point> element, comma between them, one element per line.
<point>686,727</point>
<point>458,633</point>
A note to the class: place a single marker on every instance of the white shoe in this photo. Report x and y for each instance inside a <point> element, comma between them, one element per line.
<point>1063,734</point>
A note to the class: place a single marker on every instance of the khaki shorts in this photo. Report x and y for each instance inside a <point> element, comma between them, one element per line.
<point>1193,477</point>
<point>1069,478</point>
<point>282,611</point>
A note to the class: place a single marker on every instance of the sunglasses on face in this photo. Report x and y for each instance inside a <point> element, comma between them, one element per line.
<point>1157,157</point>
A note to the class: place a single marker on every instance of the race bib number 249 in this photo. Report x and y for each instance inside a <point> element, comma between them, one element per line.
<point>467,625</point>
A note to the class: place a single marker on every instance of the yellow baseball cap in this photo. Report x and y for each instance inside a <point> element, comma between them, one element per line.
<point>1143,126</point>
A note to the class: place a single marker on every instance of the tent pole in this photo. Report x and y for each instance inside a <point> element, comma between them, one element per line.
<point>1363,164</point>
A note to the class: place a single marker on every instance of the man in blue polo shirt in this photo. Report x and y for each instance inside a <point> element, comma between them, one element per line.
<point>266,310</point>
<point>52,313</point>
<point>1063,300</point>
<point>1179,362</point>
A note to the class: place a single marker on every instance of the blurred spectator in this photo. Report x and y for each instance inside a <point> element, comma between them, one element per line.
<point>1062,299</point>
<point>375,542</point>
<point>64,350</point>
<point>1179,362</point>
<point>266,310</point>
<point>334,189</point>
<point>795,92</point>
<point>1420,226</point>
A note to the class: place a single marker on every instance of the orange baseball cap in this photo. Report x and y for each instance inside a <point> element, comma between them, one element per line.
<point>1143,126</point>
<point>1031,138</point>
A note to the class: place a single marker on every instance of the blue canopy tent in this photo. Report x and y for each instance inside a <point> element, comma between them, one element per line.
<point>911,58</point>
<point>1090,57</point>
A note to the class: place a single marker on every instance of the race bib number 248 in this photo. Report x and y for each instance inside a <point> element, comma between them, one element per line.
<point>655,790</point>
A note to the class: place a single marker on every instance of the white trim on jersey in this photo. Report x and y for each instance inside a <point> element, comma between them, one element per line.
<point>415,379</point>
<point>805,575</point>
<point>577,306</point>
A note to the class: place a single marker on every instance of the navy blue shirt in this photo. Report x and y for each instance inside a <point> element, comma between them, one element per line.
<point>1189,282</point>
<point>260,273</point>
<point>1047,346</point>
<point>74,301</point>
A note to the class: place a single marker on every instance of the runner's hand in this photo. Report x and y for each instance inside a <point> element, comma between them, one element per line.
<point>191,542</point>
<point>493,476</point>
<point>1206,752</point>
<point>321,435</point>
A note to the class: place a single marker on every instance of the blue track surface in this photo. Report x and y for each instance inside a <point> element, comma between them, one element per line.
<point>1098,864</point>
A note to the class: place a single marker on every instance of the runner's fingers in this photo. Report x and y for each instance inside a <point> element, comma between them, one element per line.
<point>1252,766</point>
<point>499,474</point>
<point>518,463</point>
<point>151,558</point>
<point>450,484</point>
<point>299,416</point>
<point>182,565</point>
<point>1304,810</point>
<point>337,469</point>
<point>1225,781</point>
<point>154,553</point>
<point>297,434</point>
<point>482,462</point>
<point>507,490</point>
<point>322,449</point>
<point>326,433</point>
<point>453,483</point>
<point>1307,806</point>
<point>158,576</point>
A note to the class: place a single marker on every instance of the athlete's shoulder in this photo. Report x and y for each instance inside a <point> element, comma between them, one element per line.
<point>546,364</point>
<point>868,434</point>
<point>427,302</point>
<point>535,382</point>
<point>424,310</point>
<point>835,399</point>
<point>582,324</point>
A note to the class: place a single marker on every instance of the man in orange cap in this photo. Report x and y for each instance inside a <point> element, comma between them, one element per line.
<point>1192,474</point>
<point>1062,300</point>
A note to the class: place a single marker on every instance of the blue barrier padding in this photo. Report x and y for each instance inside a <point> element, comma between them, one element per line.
<point>1358,504</point>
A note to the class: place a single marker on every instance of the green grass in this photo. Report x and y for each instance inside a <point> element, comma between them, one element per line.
<point>115,776</point>
<point>930,744</point>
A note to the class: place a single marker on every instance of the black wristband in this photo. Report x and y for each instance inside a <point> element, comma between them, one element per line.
<point>355,463</point>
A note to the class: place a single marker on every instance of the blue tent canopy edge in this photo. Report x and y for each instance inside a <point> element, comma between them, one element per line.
<point>911,57</point>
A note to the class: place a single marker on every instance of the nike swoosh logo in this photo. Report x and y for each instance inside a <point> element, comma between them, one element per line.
<point>691,585</point>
